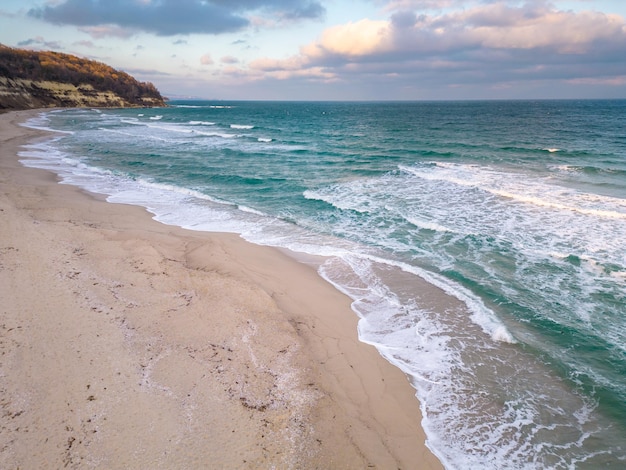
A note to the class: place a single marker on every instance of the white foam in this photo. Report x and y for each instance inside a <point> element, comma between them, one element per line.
<point>251,210</point>
<point>542,202</point>
<point>41,122</point>
<point>201,123</point>
<point>134,135</point>
<point>427,224</point>
<point>356,200</point>
<point>219,134</point>
<point>174,129</point>
<point>133,121</point>
<point>241,126</point>
<point>169,188</point>
<point>520,188</point>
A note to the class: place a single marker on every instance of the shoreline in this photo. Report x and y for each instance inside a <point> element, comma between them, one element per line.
<point>129,343</point>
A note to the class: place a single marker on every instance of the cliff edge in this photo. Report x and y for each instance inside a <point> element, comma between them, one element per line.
<point>42,79</point>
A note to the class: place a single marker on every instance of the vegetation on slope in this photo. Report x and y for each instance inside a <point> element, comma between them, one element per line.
<point>87,82</point>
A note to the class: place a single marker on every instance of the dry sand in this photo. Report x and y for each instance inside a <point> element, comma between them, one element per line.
<point>126,343</point>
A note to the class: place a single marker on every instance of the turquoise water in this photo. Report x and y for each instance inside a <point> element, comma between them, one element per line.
<point>517,210</point>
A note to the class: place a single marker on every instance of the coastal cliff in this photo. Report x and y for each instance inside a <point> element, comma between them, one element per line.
<point>41,79</point>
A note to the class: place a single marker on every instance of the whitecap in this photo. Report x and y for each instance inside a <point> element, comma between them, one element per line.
<point>201,123</point>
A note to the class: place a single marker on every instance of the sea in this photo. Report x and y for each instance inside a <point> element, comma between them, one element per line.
<point>483,243</point>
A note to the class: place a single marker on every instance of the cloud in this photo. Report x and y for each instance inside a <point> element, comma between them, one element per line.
<point>172,17</point>
<point>273,65</point>
<point>7,14</point>
<point>206,59</point>
<point>489,43</point>
<point>99,32</point>
<point>87,44</point>
<point>308,10</point>
<point>229,60</point>
<point>613,81</point>
<point>499,26</point>
<point>147,72</point>
<point>422,5</point>
<point>362,38</point>
<point>40,41</point>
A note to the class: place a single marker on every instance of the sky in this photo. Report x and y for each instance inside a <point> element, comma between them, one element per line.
<point>340,50</point>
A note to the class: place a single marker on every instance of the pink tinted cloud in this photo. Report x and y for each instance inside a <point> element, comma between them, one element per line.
<point>103,31</point>
<point>206,59</point>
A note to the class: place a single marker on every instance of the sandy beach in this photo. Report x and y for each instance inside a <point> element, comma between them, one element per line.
<point>126,343</point>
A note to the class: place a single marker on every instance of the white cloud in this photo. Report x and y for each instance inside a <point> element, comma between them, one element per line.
<point>352,40</point>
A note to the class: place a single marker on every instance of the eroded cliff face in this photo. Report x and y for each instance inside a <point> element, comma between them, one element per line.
<point>17,93</point>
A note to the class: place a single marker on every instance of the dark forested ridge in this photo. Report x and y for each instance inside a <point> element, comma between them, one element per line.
<point>30,79</point>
